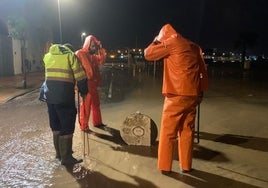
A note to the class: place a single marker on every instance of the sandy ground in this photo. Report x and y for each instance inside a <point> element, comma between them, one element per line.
<point>232,151</point>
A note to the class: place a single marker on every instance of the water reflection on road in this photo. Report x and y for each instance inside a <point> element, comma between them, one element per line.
<point>27,156</point>
<point>25,162</point>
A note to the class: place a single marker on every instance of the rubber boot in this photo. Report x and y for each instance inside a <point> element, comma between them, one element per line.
<point>66,143</point>
<point>56,137</point>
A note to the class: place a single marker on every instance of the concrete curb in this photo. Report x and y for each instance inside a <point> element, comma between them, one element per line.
<point>19,95</point>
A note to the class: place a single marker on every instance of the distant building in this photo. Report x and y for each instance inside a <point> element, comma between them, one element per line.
<point>10,54</point>
<point>6,56</point>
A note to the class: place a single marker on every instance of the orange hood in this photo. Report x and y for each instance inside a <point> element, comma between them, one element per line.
<point>167,31</point>
<point>88,41</point>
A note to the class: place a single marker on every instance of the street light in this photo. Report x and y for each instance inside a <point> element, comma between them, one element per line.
<point>82,37</point>
<point>59,21</point>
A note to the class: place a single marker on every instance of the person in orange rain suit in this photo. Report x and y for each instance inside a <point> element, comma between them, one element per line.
<point>184,80</point>
<point>91,55</point>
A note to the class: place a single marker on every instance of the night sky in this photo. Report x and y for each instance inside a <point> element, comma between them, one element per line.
<point>134,23</point>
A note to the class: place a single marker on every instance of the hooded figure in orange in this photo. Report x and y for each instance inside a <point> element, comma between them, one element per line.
<point>184,80</point>
<point>91,55</point>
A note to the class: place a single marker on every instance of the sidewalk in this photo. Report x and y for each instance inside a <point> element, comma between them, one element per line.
<point>11,86</point>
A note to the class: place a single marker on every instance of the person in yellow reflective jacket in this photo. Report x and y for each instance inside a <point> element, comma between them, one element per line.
<point>62,72</point>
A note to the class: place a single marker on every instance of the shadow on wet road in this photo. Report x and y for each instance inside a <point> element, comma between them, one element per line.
<point>250,142</point>
<point>27,153</point>
<point>202,179</point>
<point>86,178</point>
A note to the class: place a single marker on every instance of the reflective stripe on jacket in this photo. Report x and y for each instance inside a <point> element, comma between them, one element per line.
<point>62,65</point>
<point>62,69</point>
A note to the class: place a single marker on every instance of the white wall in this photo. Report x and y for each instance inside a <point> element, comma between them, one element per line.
<point>17,56</point>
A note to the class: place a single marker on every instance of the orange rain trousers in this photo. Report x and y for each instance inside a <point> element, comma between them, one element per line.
<point>177,124</point>
<point>91,104</point>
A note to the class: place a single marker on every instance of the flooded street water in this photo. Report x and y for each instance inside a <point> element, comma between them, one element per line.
<point>232,150</point>
<point>27,163</point>
<point>25,159</point>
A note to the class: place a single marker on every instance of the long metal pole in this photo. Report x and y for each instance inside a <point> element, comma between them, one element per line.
<point>198,124</point>
<point>60,21</point>
<point>23,63</point>
<point>154,68</point>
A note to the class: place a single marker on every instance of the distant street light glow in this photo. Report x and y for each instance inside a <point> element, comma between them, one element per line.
<point>83,35</point>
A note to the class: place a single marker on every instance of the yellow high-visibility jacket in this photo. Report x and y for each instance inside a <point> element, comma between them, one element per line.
<point>62,71</point>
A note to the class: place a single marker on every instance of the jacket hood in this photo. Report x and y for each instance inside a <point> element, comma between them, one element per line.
<point>88,41</point>
<point>167,31</point>
<point>58,49</point>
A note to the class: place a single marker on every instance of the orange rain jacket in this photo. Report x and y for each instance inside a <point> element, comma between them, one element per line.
<point>184,80</point>
<point>184,70</point>
<point>91,63</point>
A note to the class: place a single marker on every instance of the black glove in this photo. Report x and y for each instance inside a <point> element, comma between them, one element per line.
<point>200,97</point>
<point>155,41</point>
<point>82,87</point>
<point>83,96</point>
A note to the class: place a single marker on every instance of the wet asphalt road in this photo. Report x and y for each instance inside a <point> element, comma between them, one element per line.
<point>232,151</point>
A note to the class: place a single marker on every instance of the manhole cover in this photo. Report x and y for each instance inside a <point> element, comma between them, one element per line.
<point>139,129</point>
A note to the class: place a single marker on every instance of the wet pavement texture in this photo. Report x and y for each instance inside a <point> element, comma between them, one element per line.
<point>12,86</point>
<point>232,151</point>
